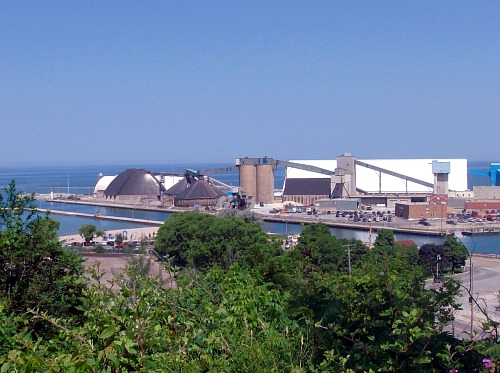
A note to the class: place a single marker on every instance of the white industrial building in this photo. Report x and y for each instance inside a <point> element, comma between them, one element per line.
<point>372,181</point>
<point>166,180</point>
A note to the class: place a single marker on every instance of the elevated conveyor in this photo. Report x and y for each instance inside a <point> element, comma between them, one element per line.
<point>395,174</point>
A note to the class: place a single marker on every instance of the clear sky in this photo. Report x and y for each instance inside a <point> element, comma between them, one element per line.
<point>134,82</point>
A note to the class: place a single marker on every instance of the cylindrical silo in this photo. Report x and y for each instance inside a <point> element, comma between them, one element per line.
<point>248,182</point>
<point>265,183</point>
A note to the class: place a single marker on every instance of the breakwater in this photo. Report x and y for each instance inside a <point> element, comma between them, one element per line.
<point>301,219</point>
<point>115,218</point>
<point>282,224</point>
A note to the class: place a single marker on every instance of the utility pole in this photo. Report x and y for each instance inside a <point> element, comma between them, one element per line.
<point>438,258</point>
<point>349,256</point>
<point>471,278</point>
<point>370,236</point>
<point>471,284</point>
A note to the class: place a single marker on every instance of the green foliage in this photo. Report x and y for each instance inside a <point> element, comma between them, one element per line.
<point>452,253</point>
<point>202,241</point>
<point>428,258</point>
<point>455,253</point>
<point>384,319</point>
<point>408,253</point>
<point>119,238</point>
<point>35,271</point>
<point>385,239</point>
<point>220,321</point>
<point>241,304</point>
<point>89,232</point>
<point>318,250</point>
<point>386,252</point>
<point>99,249</point>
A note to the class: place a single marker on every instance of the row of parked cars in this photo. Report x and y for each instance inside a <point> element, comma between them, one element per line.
<point>366,216</point>
<point>478,219</point>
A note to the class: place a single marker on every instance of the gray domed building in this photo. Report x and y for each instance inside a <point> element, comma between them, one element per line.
<point>134,185</point>
<point>190,192</point>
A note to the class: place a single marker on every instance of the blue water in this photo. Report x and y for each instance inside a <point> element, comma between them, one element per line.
<point>70,224</point>
<point>106,211</point>
<point>82,179</point>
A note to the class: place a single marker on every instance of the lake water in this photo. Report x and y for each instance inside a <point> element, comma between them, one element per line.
<point>82,179</point>
<point>70,225</point>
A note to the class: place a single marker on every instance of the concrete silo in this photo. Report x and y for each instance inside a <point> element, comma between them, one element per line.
<point>265,182</point>
<point>248,178</point>
<point>257,178</point>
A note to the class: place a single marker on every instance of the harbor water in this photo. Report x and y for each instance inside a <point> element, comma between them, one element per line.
<point>82,179</point>
<point>70,225</point>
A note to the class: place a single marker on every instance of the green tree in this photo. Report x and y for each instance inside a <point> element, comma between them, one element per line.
<point>382,318</point>
<point>455,253</point>
<point>409,253</point>
<point>35,271</point>
<point>89,232</point>
<point>385,239</point>
<point>201,241</point>
<point>318,250</point>
<point>119,238</point>
<point>429,256</point>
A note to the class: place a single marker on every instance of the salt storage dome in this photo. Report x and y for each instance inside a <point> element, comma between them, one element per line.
<point>134,184</point>
<point>200,193</point>
<point>179,187</point>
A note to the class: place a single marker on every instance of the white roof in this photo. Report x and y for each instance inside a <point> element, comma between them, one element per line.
<point>171,180</point>
<point>368,180</point>
<point>103,183</point>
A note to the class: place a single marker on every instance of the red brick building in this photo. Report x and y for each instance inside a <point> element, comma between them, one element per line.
<point>420,210</point>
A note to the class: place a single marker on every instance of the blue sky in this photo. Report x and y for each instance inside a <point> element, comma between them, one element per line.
<point>210,81</point>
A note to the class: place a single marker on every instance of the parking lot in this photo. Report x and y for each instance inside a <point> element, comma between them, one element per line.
<point>377,218</point>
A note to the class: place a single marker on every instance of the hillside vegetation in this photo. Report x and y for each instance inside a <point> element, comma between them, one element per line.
<point>241,303</point>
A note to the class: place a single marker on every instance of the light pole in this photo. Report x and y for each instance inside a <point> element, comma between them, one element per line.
<point>471,291</point>
<point>471,285</point>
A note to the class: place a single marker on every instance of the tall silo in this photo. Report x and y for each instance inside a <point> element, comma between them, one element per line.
<point>248,179</point>
<point>265,183</point>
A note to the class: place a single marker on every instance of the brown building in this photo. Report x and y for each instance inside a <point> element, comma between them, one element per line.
<point>306,191</point>
<point>482,206</point>
<point>420,210</point>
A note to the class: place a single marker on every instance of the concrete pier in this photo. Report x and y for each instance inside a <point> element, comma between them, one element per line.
<point>116,218</point>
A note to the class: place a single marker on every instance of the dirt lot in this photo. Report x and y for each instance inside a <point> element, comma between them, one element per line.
<point>111,265</point>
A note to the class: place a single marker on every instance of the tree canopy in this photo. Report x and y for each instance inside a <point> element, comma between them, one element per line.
<point>242,303</point>
<point>35,271</point>
<point>202,241</point>
<point>89,232</point>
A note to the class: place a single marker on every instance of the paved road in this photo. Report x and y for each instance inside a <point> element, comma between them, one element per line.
<point>485,288</point>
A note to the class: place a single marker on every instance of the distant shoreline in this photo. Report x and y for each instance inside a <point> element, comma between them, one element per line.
<point>285,218</point>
